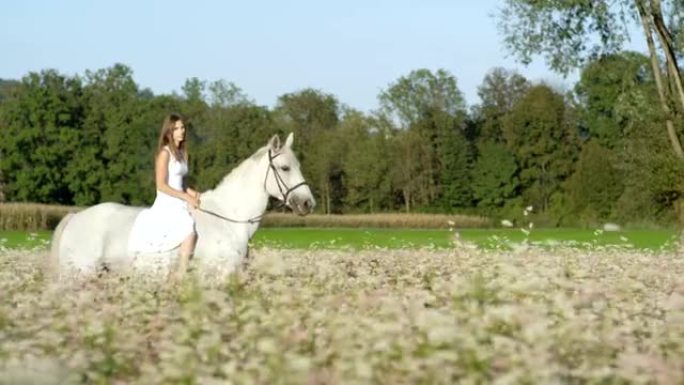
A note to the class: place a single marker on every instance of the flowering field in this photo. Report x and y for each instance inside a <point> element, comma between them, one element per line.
<point>402,316</point>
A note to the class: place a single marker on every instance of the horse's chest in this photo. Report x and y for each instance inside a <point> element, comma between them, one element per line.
<point>226,246</point>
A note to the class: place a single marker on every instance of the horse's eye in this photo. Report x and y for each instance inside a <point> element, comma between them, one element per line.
<point>285,168</point>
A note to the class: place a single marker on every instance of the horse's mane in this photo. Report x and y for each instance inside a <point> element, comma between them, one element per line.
<point>259,153</point>
<point>238,169</point>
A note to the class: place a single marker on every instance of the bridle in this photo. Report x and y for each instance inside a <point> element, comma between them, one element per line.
<point>282,187</point>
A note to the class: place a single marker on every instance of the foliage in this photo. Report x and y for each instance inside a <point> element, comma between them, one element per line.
<point>597,183</point>
<point>611,89</point>
<point>430,107</point>
<point>590,34</point>
<point>500,91</point>
<point>654,181</point>
<point>115,141</point>
<point>367,187</point>
<point>7,87</point>
<point>84,139</point>
<point>408,99</point>
<point>409,156</point>
<point>313,117</point>
<point>40,123</point>
<point>495,177</point>
<point>224,136</point>
<point>543,141</point>
<point>567,33</point>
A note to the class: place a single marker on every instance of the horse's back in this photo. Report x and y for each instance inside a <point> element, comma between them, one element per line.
<point>95,235</point>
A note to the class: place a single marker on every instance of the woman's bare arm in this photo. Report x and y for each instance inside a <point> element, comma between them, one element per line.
<point>161,174</point>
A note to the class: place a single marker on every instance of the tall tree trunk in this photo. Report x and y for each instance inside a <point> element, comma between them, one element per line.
<point>324,197</point>
<point>666,42</point>
<point>675,78</point>
<point>327,198</point>
<point>407,200</point>
<point>655,66</point>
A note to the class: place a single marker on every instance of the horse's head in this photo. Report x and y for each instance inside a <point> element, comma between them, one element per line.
<point>284,180</point>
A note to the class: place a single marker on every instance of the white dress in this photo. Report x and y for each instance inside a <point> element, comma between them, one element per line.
<point>168,222</point>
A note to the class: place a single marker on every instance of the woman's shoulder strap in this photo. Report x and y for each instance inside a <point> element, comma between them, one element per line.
<point>172,156</point>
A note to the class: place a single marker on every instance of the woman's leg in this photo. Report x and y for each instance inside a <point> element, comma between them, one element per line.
<point>185,254</point>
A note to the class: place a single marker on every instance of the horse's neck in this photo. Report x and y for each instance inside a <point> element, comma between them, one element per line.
<point>240,195</point>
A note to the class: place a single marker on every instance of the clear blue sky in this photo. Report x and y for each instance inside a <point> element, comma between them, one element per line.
<point>352,49</point>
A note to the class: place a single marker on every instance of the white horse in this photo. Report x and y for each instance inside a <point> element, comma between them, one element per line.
<point>96,238</point>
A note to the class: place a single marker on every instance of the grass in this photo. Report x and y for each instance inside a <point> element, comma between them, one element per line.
<point>32,216</point>
<point>19,239</point>
<point>639,239</point>
<point>341,238</point>
<point>317,238</point>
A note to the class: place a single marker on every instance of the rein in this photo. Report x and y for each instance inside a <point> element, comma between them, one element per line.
<point>282,187</point>
<point>252,220</point>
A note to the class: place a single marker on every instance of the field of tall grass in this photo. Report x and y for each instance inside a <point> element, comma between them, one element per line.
<point>386,220</point>
<point>405,316</point>
<point>31,216</point>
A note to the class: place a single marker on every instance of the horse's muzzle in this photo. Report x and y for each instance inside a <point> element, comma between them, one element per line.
<point>302,206</point>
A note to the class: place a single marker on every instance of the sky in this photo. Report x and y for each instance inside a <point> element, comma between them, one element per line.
<point>353,49</point>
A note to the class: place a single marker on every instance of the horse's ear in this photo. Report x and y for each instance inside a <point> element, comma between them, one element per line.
<point>289,140</point>
<point>274,143</point>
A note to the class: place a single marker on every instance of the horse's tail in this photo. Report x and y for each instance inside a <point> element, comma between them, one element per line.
<point>53,259</point>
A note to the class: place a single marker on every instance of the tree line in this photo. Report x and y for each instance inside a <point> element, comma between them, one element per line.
<point>606,149</point>
<point>591,154</point>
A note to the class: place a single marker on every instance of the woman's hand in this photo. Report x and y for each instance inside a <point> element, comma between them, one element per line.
<point>193,200</point>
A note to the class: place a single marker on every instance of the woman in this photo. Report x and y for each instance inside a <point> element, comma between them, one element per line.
<point>168,223</point>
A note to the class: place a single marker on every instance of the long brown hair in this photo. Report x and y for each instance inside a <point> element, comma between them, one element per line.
<point>166,136</point>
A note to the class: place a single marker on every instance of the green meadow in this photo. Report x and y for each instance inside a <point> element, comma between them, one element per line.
<point>342,238</point>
